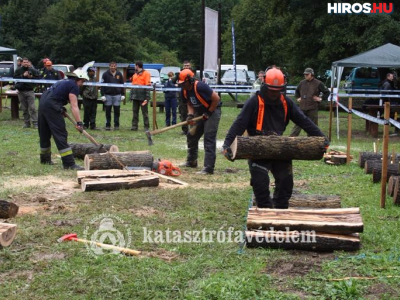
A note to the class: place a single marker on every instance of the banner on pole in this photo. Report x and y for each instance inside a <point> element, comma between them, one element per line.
<point>234,52</point>
<point>211,40</point>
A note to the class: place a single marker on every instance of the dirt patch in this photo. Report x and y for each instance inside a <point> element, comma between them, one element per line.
<point>297,263</point>
<point>27,275</point>
<point>162,254</point>
<point>47,256</point>
<point>376,291</point>
<point>146,211</point>
<point>217,186</point>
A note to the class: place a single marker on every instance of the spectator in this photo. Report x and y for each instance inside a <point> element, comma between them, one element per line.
<point>170,101</point>
<point>268,113</point>
<point>51,119</point>
<point>112,96</point>
<point>257,84</point>
<point>201,101</point>
<point>140,97</point>
<point>26,95</point>
<point>308,94</point>
<point>19,62</point>
<point>48,73</point>
<point>89,96</point>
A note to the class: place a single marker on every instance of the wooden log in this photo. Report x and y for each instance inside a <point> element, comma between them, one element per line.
<point>370,165</point>
<point>392,170</point>
<point>278,147</point>
<point>339,159</point>
<point>104,161</point>
<point>343,221</point>
<point>96,174</point>
<point>391,184</point>
<point>80,150</point>
<point>8,209</point>
<point>112,184</point>
<point>396,192</point>
<point>314,201</point>
<point>7,234</point>
<point>302,240</point>
<point>364,156</point>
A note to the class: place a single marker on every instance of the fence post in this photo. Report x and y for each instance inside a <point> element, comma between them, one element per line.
<point>349,119</point>
<point>154,108</point>
<point>385,153</point>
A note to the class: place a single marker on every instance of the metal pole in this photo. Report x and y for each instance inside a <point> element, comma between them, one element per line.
<point>330,116</point>
<point>349,119</point>
<point>154,108</point>
<point>203,29</point>
<point>385,153</point>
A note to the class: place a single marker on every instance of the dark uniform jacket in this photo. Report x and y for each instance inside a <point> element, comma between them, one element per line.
<point>204,91</point>
<point>108,77</point>
<point>25,86</point>
<point>90,91</point>
<point>306,90</point>
<point>274,122</point>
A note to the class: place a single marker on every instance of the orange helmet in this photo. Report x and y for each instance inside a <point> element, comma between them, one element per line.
<point>275,80</point>
<point>185,75</point>
<point>48,63</point>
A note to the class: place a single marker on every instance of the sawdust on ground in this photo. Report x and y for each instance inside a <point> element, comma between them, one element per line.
<point>161,254</point>
<point>146,211</point>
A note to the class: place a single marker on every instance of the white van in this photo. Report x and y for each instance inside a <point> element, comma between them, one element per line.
<point>238,67</point>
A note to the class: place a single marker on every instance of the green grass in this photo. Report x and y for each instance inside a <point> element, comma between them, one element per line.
<point>35,266</point>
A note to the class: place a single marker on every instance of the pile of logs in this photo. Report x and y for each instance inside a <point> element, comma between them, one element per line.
<point>80,150</point>
<point>372,164</point>
<point>311,229</point>
<point>314,201</point>
<point>105,161</point>
<point>7,231</point>
<point>393,189</point>
<point>334,157</point>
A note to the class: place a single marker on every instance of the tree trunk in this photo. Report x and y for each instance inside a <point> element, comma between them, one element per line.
<point>7,234</point>
<point>364,156</point>
<point>396,192</point>
<point>97,174</point>
<point>278,147</point>
<point>302,240</point>
<point>343,221</point>
<point>104,161</point>
<point>80,150</point>
<point>392,170</point>
<point>8,209</point>
<point>370,165</point>
<point>391,184</point>
<point>112,184</point>
<point>314,201</point>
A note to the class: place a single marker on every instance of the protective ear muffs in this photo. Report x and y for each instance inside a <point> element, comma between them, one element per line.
<point>191,79</point>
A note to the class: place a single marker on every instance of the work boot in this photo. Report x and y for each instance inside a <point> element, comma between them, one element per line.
<point>45,159</point>
<point>205,171</point>
<point>69,163</point>
<point>27,125</point>
<point>189,164</point>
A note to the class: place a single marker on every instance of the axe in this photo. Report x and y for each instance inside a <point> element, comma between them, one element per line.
<point>85,133</point>
<point>74,237</point>
<point>150,134</point>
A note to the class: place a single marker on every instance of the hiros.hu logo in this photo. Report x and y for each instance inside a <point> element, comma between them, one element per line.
<point>358,8</point>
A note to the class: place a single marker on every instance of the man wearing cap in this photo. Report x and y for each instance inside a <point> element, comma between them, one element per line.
<point>268,112</point>
<point>48,73</point>
<point>308,94</point>
<point>51,119</point>
<point>89,95</point>
<point>201,101</point>
<point>26,95</point>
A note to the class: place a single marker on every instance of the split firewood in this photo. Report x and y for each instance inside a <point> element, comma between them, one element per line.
<point>112,184</point>
<point>7,234</point>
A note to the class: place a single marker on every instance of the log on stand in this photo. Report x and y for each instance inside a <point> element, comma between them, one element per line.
<point>314,201</point>
<point>392,170</point>
<point>80,150</point>
<point>342,221</point>
<point>302,240</point>
<point>278,147</point>
<point>370,165</point>
<point>8,209</point>
<point>364,156</point>
<point>112,184</point>
<point>7,234</point>
<point>104,161</point>
<point>391,184</point>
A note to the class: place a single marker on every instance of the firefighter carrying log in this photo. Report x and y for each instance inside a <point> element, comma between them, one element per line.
<point>268,113</point>
<point>51,119</point>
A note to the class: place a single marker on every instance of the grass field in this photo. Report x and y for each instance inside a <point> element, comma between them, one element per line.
<point>36,266</point>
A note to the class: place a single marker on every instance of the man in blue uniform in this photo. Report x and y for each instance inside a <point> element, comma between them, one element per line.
<point>51,119</point>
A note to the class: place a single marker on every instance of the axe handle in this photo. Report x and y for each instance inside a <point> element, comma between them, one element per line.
<point>154,132</point>
<point>112,247</point>
<point>84,132</point>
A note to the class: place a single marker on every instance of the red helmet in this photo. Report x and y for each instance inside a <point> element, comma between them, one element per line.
<point>275,80</point>
<point>185,75</point>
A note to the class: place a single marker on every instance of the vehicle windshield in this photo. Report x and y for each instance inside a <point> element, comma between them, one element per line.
<point>153,72</point>
<point>60,68</point>
<point>230,75</point>
<point>166,70</point>
<point>367,73</point>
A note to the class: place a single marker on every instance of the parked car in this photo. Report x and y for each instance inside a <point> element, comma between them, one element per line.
<point>6,69</point>
<point>252,77</point>
<point>242,78</point>
<point>64,68</point>
<point>165,70</point>
<point>155,76</point>
<point>362,78</point>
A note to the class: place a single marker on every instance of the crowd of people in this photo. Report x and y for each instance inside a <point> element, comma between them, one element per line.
<point>267,112</point>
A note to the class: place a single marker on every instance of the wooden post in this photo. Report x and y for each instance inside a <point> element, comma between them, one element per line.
<point>385,154</point>
<point>330,116</point>
<point>154,108</point>
<point>349,119</point>
<point>1,96</point>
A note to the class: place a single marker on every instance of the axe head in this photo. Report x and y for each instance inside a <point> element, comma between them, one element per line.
<point>68,237</point>
<point>149,138</point>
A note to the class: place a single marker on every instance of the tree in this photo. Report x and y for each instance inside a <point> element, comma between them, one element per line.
<point>79,31</point>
